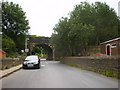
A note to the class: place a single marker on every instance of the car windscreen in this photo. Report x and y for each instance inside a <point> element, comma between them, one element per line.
<point>31,58</point>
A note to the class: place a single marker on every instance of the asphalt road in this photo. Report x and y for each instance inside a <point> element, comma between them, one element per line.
<point>55,75</point>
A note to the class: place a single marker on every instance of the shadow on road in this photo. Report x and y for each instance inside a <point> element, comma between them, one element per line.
<point>30,68</point>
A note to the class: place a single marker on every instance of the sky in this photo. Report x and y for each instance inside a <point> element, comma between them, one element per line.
<point>44,14</point>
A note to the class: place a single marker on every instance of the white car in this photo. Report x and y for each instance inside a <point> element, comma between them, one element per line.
<point>31,61</point>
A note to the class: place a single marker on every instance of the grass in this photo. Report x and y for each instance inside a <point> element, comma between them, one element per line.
<point>72,64</point>
<point>108,73</point>
<point>58,59</point>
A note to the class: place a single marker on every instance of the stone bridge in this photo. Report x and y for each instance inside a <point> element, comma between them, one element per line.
<point>43,42</point>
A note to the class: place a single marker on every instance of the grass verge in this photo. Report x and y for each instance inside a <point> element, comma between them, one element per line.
<point>108,73</point>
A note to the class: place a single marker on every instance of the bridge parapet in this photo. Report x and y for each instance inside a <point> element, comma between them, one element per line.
<point>40,40</point>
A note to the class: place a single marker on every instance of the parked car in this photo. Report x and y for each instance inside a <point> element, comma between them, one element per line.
<point>32,61</point>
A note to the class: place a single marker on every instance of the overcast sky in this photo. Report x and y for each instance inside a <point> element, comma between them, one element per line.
<point>44,14</point>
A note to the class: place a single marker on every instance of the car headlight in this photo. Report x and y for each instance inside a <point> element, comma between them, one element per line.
<point>25,62</point>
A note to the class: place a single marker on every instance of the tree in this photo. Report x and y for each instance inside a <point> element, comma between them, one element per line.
<point>37,49</point>
<point>80,37</point>
<point>15,24</point>
<point>99,15</point>
<point>59,38</point>
<point>88,24</point>
<point>0,17</point>
<point>8,44</point>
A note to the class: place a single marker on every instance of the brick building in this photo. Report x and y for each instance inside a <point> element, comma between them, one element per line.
<point>111,47</point>
<point>2,54</point>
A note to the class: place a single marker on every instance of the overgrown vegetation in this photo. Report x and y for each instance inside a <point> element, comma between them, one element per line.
<point>58,59</point>
<point>110,73</point>
<point>37,50</point>
<point>14,28</point>
<point>87,25</point>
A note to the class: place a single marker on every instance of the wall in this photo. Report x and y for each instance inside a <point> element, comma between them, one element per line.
<point>114,51</point>
<point>99,64</point>
<point>93,50</point>
<point>2,54</point>
<point>10,62</point>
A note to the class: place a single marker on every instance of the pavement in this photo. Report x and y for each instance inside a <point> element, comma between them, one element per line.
<point>7,72</point>
<point>53,74</point>
<point>4,73</point>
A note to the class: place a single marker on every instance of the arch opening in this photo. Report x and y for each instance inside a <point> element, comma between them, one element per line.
<point>43,50</point>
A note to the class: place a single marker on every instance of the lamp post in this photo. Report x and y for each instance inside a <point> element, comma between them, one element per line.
<point>26,48</point>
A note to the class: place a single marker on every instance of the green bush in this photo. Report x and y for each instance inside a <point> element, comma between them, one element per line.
<point>8,45</point>
<point>110,73</point>
<point>13,55</point>
<point>23,55</point>
<point>38,54</point>
<point>58,59</point>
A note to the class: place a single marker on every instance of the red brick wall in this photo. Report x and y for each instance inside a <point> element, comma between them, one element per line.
<point>103,49</point>
<point>2,54</point>
<point>114,51</point>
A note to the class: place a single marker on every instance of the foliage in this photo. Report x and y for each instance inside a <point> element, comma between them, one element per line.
<point>87,25</point>
<point>8,44</point>
<point>0,17</point>
<point>58,59</point>
<point>99,15</point>
<point>13,55</point>
<point>9,47</point>
<point>23,55</point>
<point>39,54</point>
<point>110,73</point>
<point>39,51</point>
<point>59,39</point>
<point>14,23</point>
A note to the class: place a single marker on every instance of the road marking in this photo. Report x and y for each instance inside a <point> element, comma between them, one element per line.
<point>43,65</point>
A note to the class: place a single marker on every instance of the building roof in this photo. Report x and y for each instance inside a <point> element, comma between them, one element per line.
<point>110,40</point>
<point>2,51</point>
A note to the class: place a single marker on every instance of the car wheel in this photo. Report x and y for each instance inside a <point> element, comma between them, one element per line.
<point>38,67</point>
<point>24,67</point>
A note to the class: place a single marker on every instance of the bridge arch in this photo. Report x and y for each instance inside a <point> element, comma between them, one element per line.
<point>47,51</point>
<point>44,43</point>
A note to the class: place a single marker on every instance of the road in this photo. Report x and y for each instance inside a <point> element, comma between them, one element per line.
<point>55,75</point>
